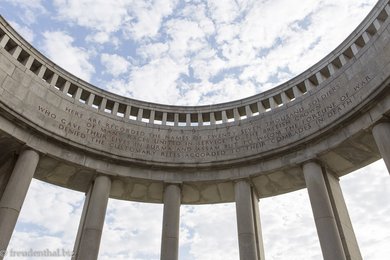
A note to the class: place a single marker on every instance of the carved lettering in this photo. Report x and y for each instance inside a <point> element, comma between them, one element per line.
<point>265,132</point>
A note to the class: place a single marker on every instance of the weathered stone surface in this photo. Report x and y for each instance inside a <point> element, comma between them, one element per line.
<point>155,192</point>
<point>329,118</point>
<point>138,191</point>
<point>117,188</point>
<point>190,194</point>
<point>209,191</point>
<point>6,65</point>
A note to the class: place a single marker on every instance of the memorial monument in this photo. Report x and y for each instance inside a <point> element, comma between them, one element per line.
<point>306,133</point>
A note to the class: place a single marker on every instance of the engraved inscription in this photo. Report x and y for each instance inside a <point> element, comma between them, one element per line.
<point>265,132</point>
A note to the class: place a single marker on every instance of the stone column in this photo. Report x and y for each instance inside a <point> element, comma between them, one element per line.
<point>15,193</point>
<point>330,241</point>
<point>82,222</point>
<point>381,132</point>
<point>171,222</point>
<point>344,224</point>
<point>245,221</point>
<point>92,220</point>
<point>257,222</point>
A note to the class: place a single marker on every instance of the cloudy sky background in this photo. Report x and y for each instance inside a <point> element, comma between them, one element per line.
<point>189,53</point>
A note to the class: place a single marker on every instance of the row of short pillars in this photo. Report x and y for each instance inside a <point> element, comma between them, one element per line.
<point>337,243</point>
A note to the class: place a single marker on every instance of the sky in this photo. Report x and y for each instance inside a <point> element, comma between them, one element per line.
<point>184,52</point>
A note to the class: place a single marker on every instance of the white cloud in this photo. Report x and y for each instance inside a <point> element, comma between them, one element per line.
<point>223,11</point>
<point>29,9</point>
<point>99,37</point>
<point>117,86</point>
<point>223,91</point>
<point>206,58</point>
<point>257,46</point>
<point>33,4</point>
<point>132,231</point>
<point>198,12</point>
<point>186,39</point>
<point>148,16</point>
<point>99,15</point>
<point>288,227</point>
<point>209,232</point>
<point>24,31</point>
<point>114,64</point>
<point>59,47</point>
<point>156,81</point>
<point>152,51</point>
<point>138,18</point>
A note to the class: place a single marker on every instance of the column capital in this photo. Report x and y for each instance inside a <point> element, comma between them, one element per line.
<point>93,180</point>
<point>331,173</point>
<point>28,148</point>
<point>101,175</point>
<point>178,184</point>
<point>385,119</point>
<point>251,184</point>
<point>314,160</point>
<point>247,180</point>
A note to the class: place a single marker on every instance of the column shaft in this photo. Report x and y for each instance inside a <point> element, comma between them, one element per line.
<point>171,223</point>
<point>257,222</point>
<point>331,245</point>
<point>82,222</point>
<point>88,242</point>
<point>15,193</point>
<point>344,224</point>
<point>381,134</point>
<point>245,221</point>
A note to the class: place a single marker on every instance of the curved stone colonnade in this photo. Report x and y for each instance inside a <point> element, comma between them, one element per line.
<point>324,123</point>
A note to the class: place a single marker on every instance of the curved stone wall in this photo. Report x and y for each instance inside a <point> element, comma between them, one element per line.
<point>323,114</point>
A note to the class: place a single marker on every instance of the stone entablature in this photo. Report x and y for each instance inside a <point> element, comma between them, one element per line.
<point>291,113</point>
<point>323,113</point>
<point>318,76</point>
